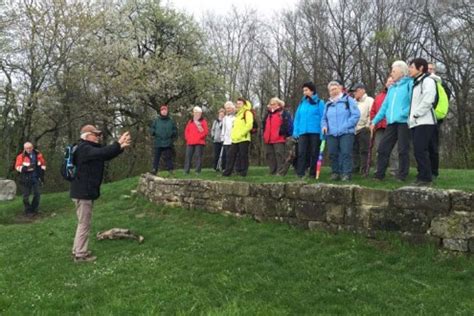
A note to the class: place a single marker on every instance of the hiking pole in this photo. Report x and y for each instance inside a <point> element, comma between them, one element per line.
<point>369,155</point>
<point>320,158</point>
<point>219,162</point>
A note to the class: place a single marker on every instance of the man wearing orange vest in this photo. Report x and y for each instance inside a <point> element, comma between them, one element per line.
<point>31,165</point>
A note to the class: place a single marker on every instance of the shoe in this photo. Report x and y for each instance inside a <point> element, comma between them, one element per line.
<point>375,178</point>
<point>419,183</point>
<point>88,253</point>
<point>87,258</point>
<point>400,179</point>
<point>154,172</point>
<point>335,177</point>
<point>346,178</point>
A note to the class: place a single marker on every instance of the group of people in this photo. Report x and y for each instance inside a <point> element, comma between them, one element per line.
<point>351,122</point>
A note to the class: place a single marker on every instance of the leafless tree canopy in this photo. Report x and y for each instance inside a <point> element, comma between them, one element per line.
<point>113,63</point>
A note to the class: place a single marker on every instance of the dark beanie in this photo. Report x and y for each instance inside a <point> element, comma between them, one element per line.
<point>310,85</point>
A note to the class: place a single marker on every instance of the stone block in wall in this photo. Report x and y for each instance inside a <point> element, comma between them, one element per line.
<point>292,189</point>
<point>327,193</point>
<point>270,190</point>
<point>456,244</point>
<point>280,208</point>
<point>358,216</point>
<point>415,198</point>
<point>254,205</point>
<point>335,213</point>
<point>369,196</point>
<point>317,225</point>
<point>462,201</point>
<point>310,211</point>
<point>7,190</point>
<point>418,239</point>
<point>403,220</point>
<point>233,188</point>
<point>232,204</point>
<point>455,226</point>
<point>470,245</point>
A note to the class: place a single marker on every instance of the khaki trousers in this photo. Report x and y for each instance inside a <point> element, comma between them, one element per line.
<point>84,216</point>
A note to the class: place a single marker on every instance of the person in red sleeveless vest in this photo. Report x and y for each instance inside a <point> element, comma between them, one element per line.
<point>276,128</point>
<point>31,165</point>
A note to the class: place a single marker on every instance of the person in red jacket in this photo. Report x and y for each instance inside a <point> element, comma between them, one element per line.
<point>276,128</point>
<point>380,127</point>
<point>195,135</point>
<point>31,165</point>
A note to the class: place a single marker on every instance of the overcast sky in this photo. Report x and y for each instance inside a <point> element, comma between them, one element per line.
<point>198,7</point>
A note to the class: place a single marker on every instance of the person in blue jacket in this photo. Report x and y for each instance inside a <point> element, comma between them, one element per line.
<point>307,129</point>
<point>395,108</point>
<point>338,124</point>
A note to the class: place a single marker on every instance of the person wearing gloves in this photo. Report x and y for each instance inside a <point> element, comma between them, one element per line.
<point>339,120</point>
<point>216,135</point>
<point>307,130</point>
<point>227,124</point>
<point>240,135</point>
<point>195,134</point>
<point>422,119</point>
<point>395,109</point>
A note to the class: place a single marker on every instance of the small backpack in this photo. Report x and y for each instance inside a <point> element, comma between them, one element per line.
<point>68,168</point>
<point>255,123</point>
<point>441,102</point>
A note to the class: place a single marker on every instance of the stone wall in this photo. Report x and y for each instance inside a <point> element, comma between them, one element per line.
<point>7,190</point>
<point>443,217</point>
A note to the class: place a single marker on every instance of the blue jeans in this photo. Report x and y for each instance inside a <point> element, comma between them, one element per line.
<point>340,153</point>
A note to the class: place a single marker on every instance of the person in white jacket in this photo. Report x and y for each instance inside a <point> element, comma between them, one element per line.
<point>422,119</point>
<point>361,145</point>
<point>227,123</point>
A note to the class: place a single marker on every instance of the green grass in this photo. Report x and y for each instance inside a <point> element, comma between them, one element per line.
<point>194,262</point>
<point>448,179</point>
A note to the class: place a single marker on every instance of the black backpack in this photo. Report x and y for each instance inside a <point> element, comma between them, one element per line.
<point>68,168</point>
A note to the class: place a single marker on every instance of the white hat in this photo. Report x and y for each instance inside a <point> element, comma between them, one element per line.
<point>197,109</point>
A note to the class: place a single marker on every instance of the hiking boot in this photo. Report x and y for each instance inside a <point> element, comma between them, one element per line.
<point>87,258</point>
<point>375,178</point>
<point>346,178</point>
<point>335,177</point>
<point>420,183</point>
<point>154,172</point>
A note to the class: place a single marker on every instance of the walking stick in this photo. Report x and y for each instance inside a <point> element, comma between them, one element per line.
<point>320,158</point>
<point>219,162</point>
<point>369,156</point>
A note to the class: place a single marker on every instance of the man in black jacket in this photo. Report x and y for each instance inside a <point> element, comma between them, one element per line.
<point>89,158</point>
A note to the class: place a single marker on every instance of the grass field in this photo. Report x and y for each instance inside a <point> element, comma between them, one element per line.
<point>448,179</point>
<point>193,262</point>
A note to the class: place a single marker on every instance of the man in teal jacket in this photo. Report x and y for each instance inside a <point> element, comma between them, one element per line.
<point>165,132</point>
<point>395,109</point>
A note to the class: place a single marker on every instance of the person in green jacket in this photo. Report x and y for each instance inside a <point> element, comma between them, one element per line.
<point>165,132</point>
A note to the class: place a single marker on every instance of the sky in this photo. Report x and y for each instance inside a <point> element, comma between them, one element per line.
<point>198,7</point>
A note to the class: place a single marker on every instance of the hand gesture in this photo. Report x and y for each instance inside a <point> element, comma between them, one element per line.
<point>125,140</point>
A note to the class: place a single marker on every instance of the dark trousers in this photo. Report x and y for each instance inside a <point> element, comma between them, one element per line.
<point>433,150</point>
<point>340,153</point>
<point>31,187</point>
<point>217,155</point>
<point>167,154</point>
<point>360,151</point>
<point>195,151</point>
<point>275,156</point>
<point>308,145</point>
<point>422,136</point>
<point>238,154</point>
<point>393,133</point>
